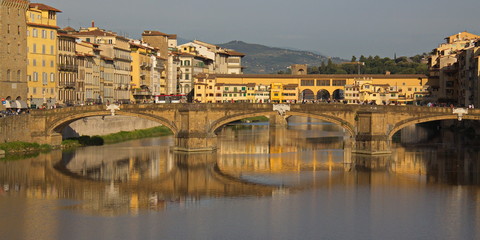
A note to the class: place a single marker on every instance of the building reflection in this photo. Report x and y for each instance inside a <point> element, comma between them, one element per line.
<point>124,179</point>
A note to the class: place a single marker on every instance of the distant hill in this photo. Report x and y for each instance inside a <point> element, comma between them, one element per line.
<point>261,59</point>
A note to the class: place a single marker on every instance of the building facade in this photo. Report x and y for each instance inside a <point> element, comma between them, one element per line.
<point>42,55</point>
<point>13,50</point>
<point>313,88</point>
<point>450,68</point>
<point>67,69</point>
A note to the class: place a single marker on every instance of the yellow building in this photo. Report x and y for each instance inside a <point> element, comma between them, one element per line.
<point>142,67</point>
<point>324,87</point>
<point>42,44</point>
<point>276,92</point>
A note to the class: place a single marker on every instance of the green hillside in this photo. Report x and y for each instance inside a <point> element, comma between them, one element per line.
<point>261,59</point>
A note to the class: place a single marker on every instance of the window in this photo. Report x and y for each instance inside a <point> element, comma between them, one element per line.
<point>44,34</point>
<point>8,28</point>
<point>19,75</point>
<point>35,77</point>
<point>339,82</point>
<point>43,63</point>
<point>35,32</point>
<point>323,82</point>
<point>52,35</point>
<point>52,77</point>
<point>51,64</point>
<point>8,47</point>
<point>18,30</point>
<point>87,39</point>
<point>34,62</point>
<point>307,82</point>
<point>187,76</point>
<point>44,78</point>
<point>51,49</point>
<point>43,49</point>
<point>8,75</point>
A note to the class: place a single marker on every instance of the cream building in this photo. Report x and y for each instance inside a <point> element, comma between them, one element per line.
<point>67,69</point>
<point>117,48</point>
<point>168,62</point>
<point>225,61</point>
<point>447,86</point>
<point>88,60</point>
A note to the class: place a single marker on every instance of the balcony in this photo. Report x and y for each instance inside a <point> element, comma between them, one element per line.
<point>68,85</point>
<point>68,67</point>
<point>141,92</point>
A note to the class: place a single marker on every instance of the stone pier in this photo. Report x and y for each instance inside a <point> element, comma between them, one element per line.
<point>371,138</point>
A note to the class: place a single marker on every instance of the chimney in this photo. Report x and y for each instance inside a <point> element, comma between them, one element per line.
<point>93,23</point>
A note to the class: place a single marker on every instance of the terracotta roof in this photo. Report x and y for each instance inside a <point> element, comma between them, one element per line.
<point>69,29</point>
<point>106,58</point>
<point>234,53</point>
<point>43,7</point>
<point>43,25</point>
<point>156,33</point>
<point>140,46</point>
<point>66,35</point>
<point>96,32</point>
<point>186,54</point>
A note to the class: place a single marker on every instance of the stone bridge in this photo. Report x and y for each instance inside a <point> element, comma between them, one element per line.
<point>194,126</point>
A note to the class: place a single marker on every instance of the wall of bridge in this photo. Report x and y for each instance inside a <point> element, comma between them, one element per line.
<point>105,125</point>
<point>194,125</point>
<point>15,128</point>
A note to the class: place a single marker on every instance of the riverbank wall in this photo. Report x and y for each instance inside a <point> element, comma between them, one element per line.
<point>105,125</point>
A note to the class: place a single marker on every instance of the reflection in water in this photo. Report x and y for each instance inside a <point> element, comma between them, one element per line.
<point>253,160</point>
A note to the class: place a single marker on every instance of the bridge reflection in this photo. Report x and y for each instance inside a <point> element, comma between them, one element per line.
<point>126,178</point>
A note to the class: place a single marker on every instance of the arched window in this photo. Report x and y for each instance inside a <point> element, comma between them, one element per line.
<point>8,74</point>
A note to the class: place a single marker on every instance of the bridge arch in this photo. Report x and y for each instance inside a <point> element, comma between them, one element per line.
<point>226,120</point>
<point>335,120</point>
<point>323,95</point>
<point>338,94</point>
<point>402,124</point>
<point>56,125</point>
<point>308,94</point>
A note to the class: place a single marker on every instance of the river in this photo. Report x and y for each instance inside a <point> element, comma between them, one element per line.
<point>262,183</point>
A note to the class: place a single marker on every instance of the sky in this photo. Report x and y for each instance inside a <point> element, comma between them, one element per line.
<point>335,28</point>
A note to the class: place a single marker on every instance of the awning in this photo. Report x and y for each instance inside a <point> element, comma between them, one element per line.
<point>21,104</point>
<point>13,104</point>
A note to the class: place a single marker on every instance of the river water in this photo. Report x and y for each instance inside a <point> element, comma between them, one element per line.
<point>262,183</point>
